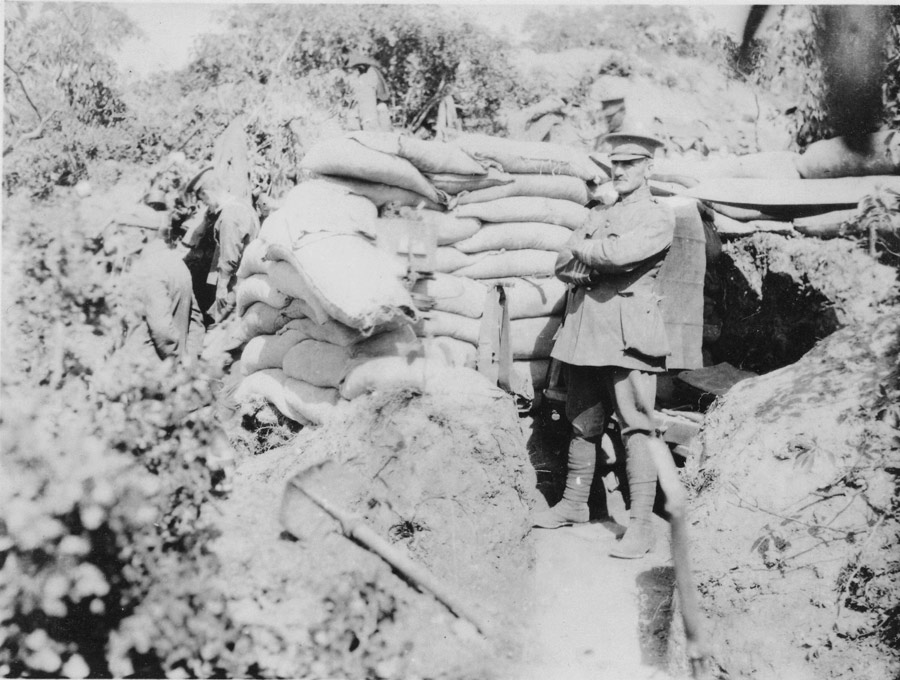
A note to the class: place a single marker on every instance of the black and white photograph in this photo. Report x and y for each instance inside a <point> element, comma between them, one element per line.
<point>433,341</point>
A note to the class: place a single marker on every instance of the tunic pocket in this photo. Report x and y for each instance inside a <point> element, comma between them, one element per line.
<point>643,329</point>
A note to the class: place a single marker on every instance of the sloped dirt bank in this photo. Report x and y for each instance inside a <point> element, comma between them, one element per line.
<point>446,479</point>
<point>796,531</point>
<point>774,297</point>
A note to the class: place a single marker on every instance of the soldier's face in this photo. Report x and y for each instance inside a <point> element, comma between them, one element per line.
<point>630,175</point>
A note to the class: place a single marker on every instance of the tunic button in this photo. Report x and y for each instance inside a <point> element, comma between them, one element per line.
<point>589,288</point>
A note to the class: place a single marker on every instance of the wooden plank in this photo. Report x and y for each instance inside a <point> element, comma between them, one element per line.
<point>787,193</point>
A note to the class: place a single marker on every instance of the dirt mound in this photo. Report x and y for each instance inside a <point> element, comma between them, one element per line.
<point>795,514</point>
<point>775,297</point>
<point>445,478</point>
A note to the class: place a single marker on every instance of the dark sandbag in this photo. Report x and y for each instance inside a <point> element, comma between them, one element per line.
<point>317,363</point>
<point>503,264</point>
<point>828,225</point>
<point>516,236</point>
<point>382,194</point>
<point>563,187</point>
<point>540,158</point>
<point>527,209</point>
<point>267,351</point>
<point>350,158</point>
<point>454,184</point>
<point>874,154</point>
<point>448,259</point>
<point>443,324</point>
<point>453,294</point>
<point>533,338</point>
<point>529,297</point>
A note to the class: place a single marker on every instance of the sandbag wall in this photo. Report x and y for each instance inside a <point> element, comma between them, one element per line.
<point>501,210</point>
<point>325,314</point>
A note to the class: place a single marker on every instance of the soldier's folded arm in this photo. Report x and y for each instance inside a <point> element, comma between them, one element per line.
<point>622,253</point>
<point>568,268</point>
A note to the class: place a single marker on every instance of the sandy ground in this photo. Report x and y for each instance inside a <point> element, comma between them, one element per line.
<point>597,617</point>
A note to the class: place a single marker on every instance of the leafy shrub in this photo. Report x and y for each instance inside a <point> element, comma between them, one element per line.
<point>631,28</point>
<point>103,545</point>
<point>787,60</point>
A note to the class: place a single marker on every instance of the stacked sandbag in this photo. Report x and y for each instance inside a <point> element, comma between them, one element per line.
<point>312,290</point>
<point>498,210</point>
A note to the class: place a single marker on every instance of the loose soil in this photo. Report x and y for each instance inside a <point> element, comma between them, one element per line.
<point>796,533</point>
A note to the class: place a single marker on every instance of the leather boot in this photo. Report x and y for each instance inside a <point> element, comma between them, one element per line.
<point>641,471</point>
<point>573,508</point>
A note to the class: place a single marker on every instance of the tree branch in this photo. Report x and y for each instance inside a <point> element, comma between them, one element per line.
<point>24,89</point>
<point>34,134</point>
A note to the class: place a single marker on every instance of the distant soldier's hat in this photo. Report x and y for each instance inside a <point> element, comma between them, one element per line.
<point>360,59</point>
<point>201,178</point>
<point>630,147</point>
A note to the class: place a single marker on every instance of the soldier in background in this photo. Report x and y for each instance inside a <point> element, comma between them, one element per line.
<point>218,243</point>
<point>373,95</point>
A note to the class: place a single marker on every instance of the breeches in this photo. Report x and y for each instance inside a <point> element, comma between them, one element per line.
<point>596,392</point>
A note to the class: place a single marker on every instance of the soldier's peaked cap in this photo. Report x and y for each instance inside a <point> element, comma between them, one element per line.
<point>629,147</point>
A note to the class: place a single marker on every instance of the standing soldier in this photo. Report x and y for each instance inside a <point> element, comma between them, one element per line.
<point>372,93</point>
<point>613,340</point>
<point>219,243</point>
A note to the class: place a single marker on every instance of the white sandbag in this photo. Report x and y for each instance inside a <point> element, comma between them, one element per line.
<point>527,209</point>
<point>301,402</point>
<point>438,324</point>
<point>533,338</point>
<point>258,288</point>
<point>515,156</point>
<point>533,372</point>
<point>330,331</point>
<point>453,294</point>
<point>503,264</point>
<point>448,259</point>
<point>275,229</point>
<point>454,184</point>
<point>267,351</point>
<point>355,282</point>
<point>252,259</point>
<point>562,187</point>
<point>349,158</point>
<point>530,297</point>
<point>318,205</point>
<point>450,351</point>
<point>516,236</point>
<point>316,362</point>
<point>399,342</point>
<point>381,194</point>
<point>260,319</point>
<point>284,277</point>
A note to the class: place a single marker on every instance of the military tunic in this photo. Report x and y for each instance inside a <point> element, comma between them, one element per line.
<point>613,316</point>
<point>613,340</point>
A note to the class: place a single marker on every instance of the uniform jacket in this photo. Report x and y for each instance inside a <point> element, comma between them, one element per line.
<point>612,314</point>
<point>162,286</point>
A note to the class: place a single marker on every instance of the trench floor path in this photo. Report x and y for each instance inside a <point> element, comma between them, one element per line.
<point>596,616</point>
